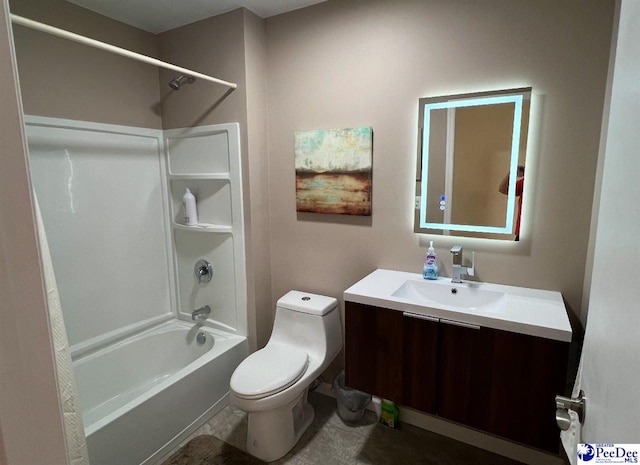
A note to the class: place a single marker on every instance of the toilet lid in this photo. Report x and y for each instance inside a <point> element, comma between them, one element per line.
<point>269,370</point>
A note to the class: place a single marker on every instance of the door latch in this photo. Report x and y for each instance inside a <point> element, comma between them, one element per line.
<point>564,404</point>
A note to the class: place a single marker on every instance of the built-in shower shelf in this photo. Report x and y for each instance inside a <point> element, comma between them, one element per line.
<point>206,160</point>
<point>203,227</point>
<point>187,177</point>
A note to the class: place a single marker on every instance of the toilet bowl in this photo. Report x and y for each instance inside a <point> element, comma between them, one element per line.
<point>271,385</point>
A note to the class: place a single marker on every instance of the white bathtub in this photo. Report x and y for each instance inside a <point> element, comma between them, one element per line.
<point>140,397</point>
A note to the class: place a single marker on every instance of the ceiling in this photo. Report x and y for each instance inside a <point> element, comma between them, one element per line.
<point>162,15</point>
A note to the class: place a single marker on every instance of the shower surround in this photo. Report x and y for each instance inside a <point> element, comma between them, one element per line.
<point>110,200</point>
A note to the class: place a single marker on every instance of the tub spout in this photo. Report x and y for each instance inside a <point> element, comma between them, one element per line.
<point>201,313</point>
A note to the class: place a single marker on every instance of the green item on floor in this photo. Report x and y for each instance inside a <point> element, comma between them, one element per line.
<point>390,413</point>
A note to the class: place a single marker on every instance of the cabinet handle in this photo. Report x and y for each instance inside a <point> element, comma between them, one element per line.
<point>460,323</point>
<point>421,317</point>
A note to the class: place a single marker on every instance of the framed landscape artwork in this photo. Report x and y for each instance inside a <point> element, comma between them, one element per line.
<point>333,171</point>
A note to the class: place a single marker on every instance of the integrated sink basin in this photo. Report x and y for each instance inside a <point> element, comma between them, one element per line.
<point>522,310</point>
<point>454,295</point>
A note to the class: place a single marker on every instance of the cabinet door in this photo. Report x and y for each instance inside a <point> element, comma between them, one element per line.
<point>391,356</point>
<point>464,382</point>
<point>497,381</point>
<point>502,382</point>
<point>420,361</point>
<point>526,373</point>
<point>373,350</point>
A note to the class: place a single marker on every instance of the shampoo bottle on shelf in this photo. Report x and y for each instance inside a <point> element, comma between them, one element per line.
<point>430,269</point>
<point>189,207</point>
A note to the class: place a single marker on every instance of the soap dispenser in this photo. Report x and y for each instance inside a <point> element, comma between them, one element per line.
<point>430,269</point>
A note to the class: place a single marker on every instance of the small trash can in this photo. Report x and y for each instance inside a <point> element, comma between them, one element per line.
<point>351,402</point>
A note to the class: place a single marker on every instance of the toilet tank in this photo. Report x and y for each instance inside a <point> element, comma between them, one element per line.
<point>309,321</point>
<point>305,302</point>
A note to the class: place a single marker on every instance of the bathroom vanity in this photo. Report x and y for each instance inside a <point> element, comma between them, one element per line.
<point>487,356</point>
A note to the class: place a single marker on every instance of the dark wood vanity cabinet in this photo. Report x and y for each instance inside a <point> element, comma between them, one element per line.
<point>373,350</point>
<point>497,381</point>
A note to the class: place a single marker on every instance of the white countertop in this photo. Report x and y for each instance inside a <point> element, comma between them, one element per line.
<point>527,311</point>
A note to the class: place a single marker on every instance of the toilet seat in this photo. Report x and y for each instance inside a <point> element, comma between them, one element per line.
<point>269,370</point>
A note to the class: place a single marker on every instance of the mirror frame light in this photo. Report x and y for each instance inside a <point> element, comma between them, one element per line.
<point>515,96</point>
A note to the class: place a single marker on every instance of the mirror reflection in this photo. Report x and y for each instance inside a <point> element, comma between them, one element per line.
<point>471,164</point>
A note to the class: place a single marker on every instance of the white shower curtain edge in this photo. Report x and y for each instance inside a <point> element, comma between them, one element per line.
<point>76,445</point>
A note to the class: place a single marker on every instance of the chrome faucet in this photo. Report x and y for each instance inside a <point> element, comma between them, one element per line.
<point>458,269</point>
<point>201,313</point>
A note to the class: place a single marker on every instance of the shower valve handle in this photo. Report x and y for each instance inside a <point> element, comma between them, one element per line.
<point>203,271</point>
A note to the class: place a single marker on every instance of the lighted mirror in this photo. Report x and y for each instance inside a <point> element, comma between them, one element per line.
<point>472,164</point>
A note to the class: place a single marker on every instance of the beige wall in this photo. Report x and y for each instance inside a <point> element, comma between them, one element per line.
<point>213,46</point>
<point>30,418</point>
<point>63,79</point>
<point>257,191</point>
<point>350,63</point>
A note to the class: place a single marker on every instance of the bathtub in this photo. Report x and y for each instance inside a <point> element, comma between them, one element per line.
<point>141,396</point>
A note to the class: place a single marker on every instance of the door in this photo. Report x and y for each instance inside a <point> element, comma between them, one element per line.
<point>610,365</point>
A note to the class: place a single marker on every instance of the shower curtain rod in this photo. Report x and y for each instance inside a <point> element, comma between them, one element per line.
<point>22,21</point>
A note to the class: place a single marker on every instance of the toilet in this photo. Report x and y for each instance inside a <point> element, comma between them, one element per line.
<point>271,385</point>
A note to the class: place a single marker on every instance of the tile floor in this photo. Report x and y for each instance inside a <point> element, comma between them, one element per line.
<point>329,441</point>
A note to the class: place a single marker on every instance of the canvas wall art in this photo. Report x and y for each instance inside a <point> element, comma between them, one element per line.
<point>333,171</point>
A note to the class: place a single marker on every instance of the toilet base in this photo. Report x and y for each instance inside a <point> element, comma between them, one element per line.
<point>273,433</point>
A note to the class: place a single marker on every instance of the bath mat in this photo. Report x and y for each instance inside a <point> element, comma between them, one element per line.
<point>209,450</point>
